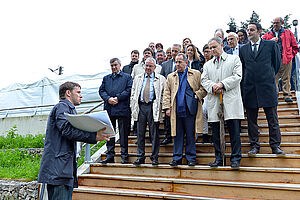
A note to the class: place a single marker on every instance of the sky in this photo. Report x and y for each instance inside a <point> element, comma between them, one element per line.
<point>82,35</point>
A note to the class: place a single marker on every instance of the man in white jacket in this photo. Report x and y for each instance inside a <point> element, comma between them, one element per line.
<point>223,74</point>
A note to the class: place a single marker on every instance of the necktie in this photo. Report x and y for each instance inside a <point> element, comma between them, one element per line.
<point>146,94</point>
<point>254,49</point>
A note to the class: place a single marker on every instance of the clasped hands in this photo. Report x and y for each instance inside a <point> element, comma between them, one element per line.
<point>217,88</point>
<point>113,100</point>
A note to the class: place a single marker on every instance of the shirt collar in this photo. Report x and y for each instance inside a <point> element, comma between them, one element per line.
<point>68,103</point>
<point>258,42</point>
<point>151,75</point>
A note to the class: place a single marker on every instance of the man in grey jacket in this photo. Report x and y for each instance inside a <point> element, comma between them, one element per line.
<point>58,166</point>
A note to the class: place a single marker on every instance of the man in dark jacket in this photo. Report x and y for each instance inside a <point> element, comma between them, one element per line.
<point>134,60</point>
<point>58,165</point>
<point>261,61</point>
<point>115,91</point>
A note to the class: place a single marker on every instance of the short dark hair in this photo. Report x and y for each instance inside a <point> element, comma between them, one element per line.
<point>258,26</point>
<point>158,51</point>
<point>135,52</point>
<point>114,60</point>
<point>148,49</point>
<point>67,86</point>
<point>206,46</point>
<point>183,56</point>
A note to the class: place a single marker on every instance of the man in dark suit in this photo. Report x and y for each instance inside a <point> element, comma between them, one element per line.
<point>167,68</point>
<point>115,91</point>
<point>261,61</point>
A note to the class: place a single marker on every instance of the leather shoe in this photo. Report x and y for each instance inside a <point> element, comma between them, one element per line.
<point>288,100</point>
<point>139,161</point>
<point>253,152</point>
<point>108,160</point>
<point>278,151</point>
<point>124,161</point>
<point>191,164</point>
<point>174,163</point>
<point>215,164</point>
<point>155,162</point>
<point>235,165</point>
<point>166,141</point>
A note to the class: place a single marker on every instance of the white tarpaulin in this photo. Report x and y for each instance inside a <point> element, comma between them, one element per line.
<point>16,98</point>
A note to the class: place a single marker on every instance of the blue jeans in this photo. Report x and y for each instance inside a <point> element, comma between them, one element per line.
<point>59,192</point>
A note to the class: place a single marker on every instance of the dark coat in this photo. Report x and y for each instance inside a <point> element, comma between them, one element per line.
<point>120,87</point>
<point>197,65</point>
<point>128,68</point>
<point>167,68</point>
<point>258,83</point>
<point>58,164</point>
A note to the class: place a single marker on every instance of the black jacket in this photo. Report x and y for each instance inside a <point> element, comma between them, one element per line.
<point>58,164</point>
<point>128,68</point>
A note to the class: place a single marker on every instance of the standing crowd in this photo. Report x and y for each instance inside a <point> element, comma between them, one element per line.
<point>187,88</point>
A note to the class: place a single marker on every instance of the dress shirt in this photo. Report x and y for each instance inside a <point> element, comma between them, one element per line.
<point>235,51</point>
<point>257,46</point>
<point>151,87</point>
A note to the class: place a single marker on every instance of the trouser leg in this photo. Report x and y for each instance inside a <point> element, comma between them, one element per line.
<point>167,126</point>
<point>190,146</point>
<point>141,131</point>
<point>124,123</point>
<point>253,129</point>
<point>216,140</point>
<point>285,77</point>
<point>235,139</point>
<point>178,140</point>
<point>111,143</point>
<point>274,129</point>
<point>59,192</point>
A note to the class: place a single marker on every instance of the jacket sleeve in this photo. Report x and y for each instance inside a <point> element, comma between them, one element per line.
<point>167,95</point>
<point>125,94</point>
<point>102,91</point>
<point>68,131</point>
<point>205,81</point>
<point>294,45</point>
<point>236,77</point>
<point>276,58</point>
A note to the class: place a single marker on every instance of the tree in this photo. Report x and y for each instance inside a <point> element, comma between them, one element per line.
<point>254,18</point>
<point>232,24</point>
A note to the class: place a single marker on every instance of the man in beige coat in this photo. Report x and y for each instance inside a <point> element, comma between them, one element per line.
<point>145,103</point>
<point>223,74</point>
<point>182,102</point>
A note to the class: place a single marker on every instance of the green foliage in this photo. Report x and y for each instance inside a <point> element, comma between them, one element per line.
<point>18,164</point>
<point>232,24</point>
<point>14,140</point>
<point>96,148</point>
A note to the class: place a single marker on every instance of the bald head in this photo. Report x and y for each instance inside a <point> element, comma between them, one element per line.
<point>277,23</point>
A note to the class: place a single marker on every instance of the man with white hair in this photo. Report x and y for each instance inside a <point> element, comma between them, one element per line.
<point>145,103</point>
<point>233,43</point>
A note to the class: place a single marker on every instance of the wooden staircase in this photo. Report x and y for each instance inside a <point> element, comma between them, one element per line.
<point>264,176</point>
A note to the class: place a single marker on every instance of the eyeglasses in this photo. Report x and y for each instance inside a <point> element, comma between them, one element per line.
<point>276,22</point>
<point>179,61</point>
<point>149,65</point>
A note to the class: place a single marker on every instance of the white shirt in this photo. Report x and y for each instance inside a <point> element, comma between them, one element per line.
<point>257,46</point>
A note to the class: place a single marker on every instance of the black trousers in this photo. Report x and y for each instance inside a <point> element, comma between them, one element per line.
<point>235,139</point>
<point>146,116</point>
<point>123,123</point>
<point>167,126</point>
<point>253,129</point>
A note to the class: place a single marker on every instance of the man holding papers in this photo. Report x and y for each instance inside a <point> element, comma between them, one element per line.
<point>115,91</point>
<point>58,165</point>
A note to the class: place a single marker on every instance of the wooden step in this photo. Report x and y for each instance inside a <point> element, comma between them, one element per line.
<point>194,186</point>
<point>245,174</point>
<point>291,119</point>
<point>282,105</point>
<point>261,160</point>
<point>281,99</point>
<point>93,193</point>
<point>283,128</point>
<point>281,111</point>
<point>280,94</point>
<point>289,148</point>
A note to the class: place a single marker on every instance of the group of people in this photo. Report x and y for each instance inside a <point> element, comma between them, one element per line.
<point>188,87</point>
<point>240,71</point>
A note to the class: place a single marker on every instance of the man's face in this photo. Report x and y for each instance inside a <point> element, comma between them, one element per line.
<point>253,34</point>
<point>180,63</point>
<point>186,42</point>
<point>232,41</point>
<point>277,24</point>
<point>175,51</point>
<point>149,67</point>
<point>160,57</point>
<point>147,54</point>
<point>75,96</point>
<point>219,34</point>
<point>134,57</point>
<point>207,54</point>
<point>115,67</point>
<point>215,48</point>
<point>152,46</point>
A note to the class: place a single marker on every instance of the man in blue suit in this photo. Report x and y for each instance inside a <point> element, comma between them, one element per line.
<point>115,91</point>
<point>233,43</point>
<point>261,61</point>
